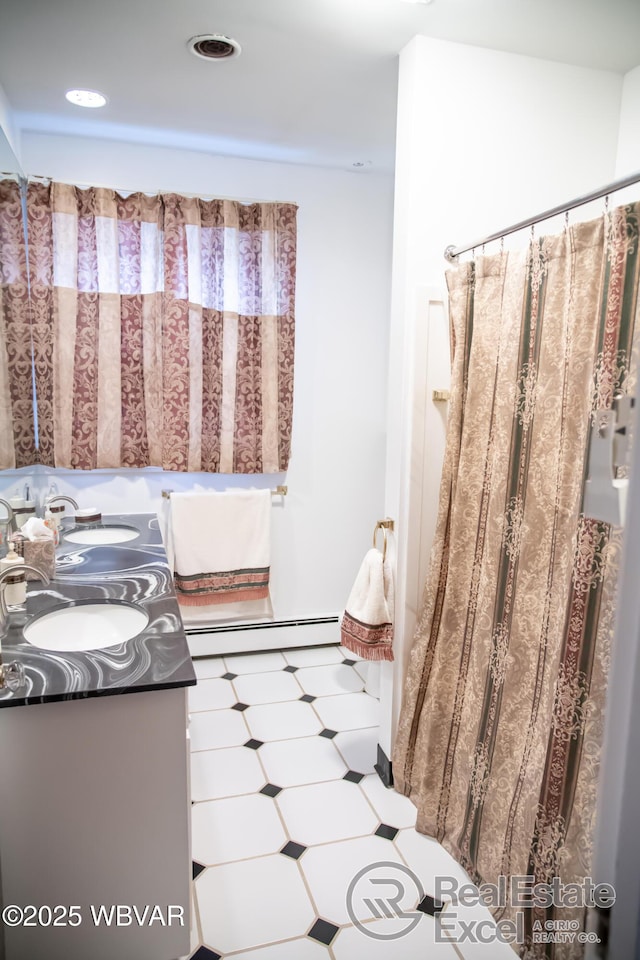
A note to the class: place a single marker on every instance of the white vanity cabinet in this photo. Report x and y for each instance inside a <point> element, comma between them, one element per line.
<point>94,813</point>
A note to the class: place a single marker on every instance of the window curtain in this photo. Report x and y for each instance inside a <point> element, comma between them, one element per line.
<point>501,727</point>
<point>17,433</point>
<point>162,330</point>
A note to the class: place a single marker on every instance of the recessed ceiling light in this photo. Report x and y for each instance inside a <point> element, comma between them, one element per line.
<point>214,46</point>
<point>86,98</point>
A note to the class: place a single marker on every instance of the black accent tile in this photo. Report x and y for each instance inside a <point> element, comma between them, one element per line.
<point>196,869</point>
<point>386,832</point>
<point>203,953</point>
<point>293,850</point>
<point>271,790</point>
<point>349,663</point>
<point>240,706</point>
<point>323,931</point>
<point>253,744</point>
<point>430,906</point>
<point>229,676</point>
<point>353,776</point>
<point>307,698</point>
<point>329,734</point>
<point>290,669</point>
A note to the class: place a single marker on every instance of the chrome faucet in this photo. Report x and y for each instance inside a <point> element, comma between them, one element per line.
<point>12,674</point>
<point>11,571</point>
<point>10,521</point>
<point>60,496</point>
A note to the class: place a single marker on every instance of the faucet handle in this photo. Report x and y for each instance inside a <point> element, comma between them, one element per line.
<point>12,675</point>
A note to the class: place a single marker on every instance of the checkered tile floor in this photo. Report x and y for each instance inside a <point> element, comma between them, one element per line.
<point>287,808</point>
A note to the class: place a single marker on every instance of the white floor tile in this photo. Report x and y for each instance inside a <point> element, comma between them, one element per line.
<point>217,728</point>
<point>225,773</point>
<point>359,748</point>
<point>330,679</point>
<point>392,807</point>
<point>206,667</point>
<point>267,687</point>
<point>420,943</point>
<point>348,711</point>
<point>428,859</point>
<point>300,949</point>
<point>211,694</point>
<point>362,667</point>
<point>307,760</point>
<point>459,922</point>
<point>313,656</point>
<point>255,902</point>
<point>255,662</point>
<point>330,868</point>
<point>348,654</point>
<point>282,721</point>
<point>235,828</point>
<point>322,812</point>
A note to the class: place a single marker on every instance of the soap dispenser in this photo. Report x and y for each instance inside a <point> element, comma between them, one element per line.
<point>15,591</point>
<point>17,505</point>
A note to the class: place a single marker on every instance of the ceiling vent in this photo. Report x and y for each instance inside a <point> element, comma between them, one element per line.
<point>213,46</point>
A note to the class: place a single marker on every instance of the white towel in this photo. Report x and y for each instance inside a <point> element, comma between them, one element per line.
<point>220,545</point>
<point>366,627</point>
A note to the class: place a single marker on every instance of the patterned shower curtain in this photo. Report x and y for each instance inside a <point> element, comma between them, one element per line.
<point>501,725</point>
<point>159,331</point>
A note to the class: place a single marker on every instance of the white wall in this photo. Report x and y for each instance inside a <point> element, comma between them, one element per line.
<point>628,160</point>
<point>336,475</point>
<point>617,843</point>
<point>484,139</point>
<point>10,151</point>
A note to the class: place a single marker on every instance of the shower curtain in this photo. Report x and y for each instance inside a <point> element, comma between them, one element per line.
<point>501,726</point>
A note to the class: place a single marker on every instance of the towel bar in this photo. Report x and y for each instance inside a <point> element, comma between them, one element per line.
<point>383,525</point>
<point>280,491</point>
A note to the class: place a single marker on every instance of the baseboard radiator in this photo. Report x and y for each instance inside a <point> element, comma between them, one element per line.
<point>256,637</point>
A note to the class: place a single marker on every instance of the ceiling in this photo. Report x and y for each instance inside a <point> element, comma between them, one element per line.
<point>316,81</point>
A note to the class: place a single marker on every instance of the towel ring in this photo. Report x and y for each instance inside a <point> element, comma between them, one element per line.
<point>383,525</point>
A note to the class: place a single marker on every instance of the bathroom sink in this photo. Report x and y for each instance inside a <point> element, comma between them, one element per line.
<point>86,625</point>
<point>103,533</point>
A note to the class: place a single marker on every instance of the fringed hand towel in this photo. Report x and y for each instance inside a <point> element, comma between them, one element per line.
<point>367,623</point>
<point>221,547</point>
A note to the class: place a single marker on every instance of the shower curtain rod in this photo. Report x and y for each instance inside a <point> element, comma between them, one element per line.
<point>452,252</point>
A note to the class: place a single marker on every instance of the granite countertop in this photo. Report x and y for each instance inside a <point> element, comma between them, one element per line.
<point>136,571</point>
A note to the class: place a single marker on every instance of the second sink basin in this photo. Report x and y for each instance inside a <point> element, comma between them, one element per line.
<point>104,533</point>
<point>86,626</point>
